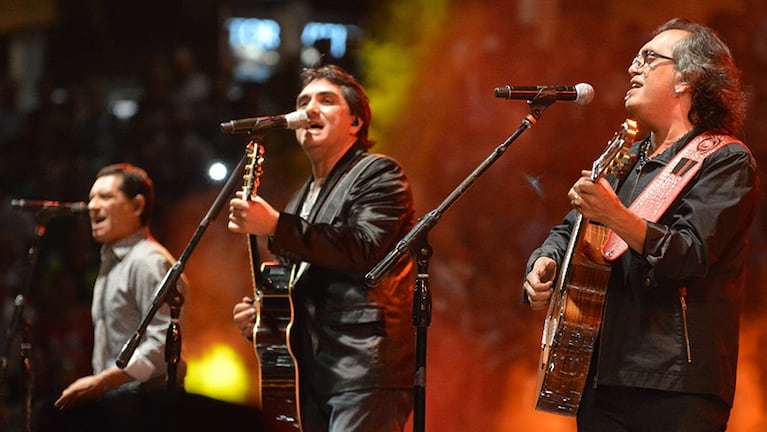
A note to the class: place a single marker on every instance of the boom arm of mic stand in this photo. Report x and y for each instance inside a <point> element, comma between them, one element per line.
<point>175,271</point>
<point>19,301</point>
<point>171,277</point>
<point>422,252</point>
<point>374,276</point>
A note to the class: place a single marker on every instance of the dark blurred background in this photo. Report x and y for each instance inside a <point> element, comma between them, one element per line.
<point>84,83</point>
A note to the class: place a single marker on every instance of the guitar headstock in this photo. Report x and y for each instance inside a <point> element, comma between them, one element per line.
<point>253,170</point>
<point>613,157</point>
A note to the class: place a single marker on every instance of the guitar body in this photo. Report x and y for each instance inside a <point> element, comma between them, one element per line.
<point>273,285</point>
<point>574,316</point>
<point>278,374</point>
<point>572,325</point>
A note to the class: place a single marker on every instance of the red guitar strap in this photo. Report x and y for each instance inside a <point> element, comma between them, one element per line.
<point>664,188</point>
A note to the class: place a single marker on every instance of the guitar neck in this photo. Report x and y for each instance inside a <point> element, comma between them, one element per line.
<point>252,179</point>
<point>255,262</point>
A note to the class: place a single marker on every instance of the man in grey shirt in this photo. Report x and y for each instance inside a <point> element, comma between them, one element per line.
<point>133,265</point>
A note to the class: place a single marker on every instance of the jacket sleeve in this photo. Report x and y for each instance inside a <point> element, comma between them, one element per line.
<point>553,247</point>
<point>376,212</point>
<point>709,219</point>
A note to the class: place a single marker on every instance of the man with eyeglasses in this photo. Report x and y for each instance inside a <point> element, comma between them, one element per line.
<point>666,354</point>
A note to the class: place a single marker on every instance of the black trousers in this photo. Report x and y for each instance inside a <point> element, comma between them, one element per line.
<point>631,409</point>
<point>374,410</point>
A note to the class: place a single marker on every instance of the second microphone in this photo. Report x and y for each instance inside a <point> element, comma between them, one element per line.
<point>294,120</point>
<point>582,93</point>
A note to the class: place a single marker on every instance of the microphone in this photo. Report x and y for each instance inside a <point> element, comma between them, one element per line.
<point>294,120</point>
<point>582,93</point>
<point>50,207</point>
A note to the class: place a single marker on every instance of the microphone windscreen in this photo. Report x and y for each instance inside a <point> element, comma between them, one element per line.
<point>584,93</point>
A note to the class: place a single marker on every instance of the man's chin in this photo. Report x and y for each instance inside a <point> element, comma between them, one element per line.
<point>629,104</point>
<point>98,236</point>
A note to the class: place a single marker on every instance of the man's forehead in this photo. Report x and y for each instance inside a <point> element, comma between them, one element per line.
<point>109,182</point>
<point>320,86</point>
<point>667,39</point>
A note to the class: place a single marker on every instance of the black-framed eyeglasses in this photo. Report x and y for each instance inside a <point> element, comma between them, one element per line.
<point>646,57</point>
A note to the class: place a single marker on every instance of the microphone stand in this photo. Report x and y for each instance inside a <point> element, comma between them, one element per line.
<point>416,243</point>
<point>23,326</point>
<point>174,297</point>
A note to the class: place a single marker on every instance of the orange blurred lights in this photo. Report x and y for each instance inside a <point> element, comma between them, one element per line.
<point>220,374</point>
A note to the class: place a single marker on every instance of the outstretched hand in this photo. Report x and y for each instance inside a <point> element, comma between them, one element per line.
<point>85,389</point>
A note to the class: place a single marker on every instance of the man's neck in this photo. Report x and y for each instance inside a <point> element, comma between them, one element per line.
<point>322,166</point>
<point>661,140</point>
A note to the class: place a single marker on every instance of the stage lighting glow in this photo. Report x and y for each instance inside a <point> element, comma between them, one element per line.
<point>337,34</point>
<point>220,374</point>
<point>124,109</point>
<point>217,172</point>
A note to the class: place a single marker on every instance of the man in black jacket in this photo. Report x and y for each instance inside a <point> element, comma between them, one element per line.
<point>665,359</point>
<point>354,345</point>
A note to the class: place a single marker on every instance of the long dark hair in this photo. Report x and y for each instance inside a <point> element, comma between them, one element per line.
<point>705,62</point>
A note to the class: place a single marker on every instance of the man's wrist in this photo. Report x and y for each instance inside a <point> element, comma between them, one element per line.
<point>104,382</point>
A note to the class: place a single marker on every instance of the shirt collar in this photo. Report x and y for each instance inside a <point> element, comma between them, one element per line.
<point>121,247</point>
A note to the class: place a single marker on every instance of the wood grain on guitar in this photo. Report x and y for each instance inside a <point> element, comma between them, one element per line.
<point>575,310</point>
<point>273,284</point>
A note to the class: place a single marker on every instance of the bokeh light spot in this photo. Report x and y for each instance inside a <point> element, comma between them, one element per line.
<point>219,374</point>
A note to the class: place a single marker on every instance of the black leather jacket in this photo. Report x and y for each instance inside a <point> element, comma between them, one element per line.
<point>672,312</point>
<point>346,335</point>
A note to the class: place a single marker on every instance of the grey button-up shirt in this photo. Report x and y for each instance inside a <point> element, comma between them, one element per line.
<point>131,271</point>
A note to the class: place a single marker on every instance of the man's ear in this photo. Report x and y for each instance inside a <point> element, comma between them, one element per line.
<point>681,86</point>
<point>139,201</point>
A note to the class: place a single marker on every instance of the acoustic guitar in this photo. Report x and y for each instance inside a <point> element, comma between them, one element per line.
<point>575,310</point>
<point>273,285</point>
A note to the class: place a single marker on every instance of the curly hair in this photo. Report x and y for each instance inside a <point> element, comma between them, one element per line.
<point>351,90</point>
<point>705,62</point>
